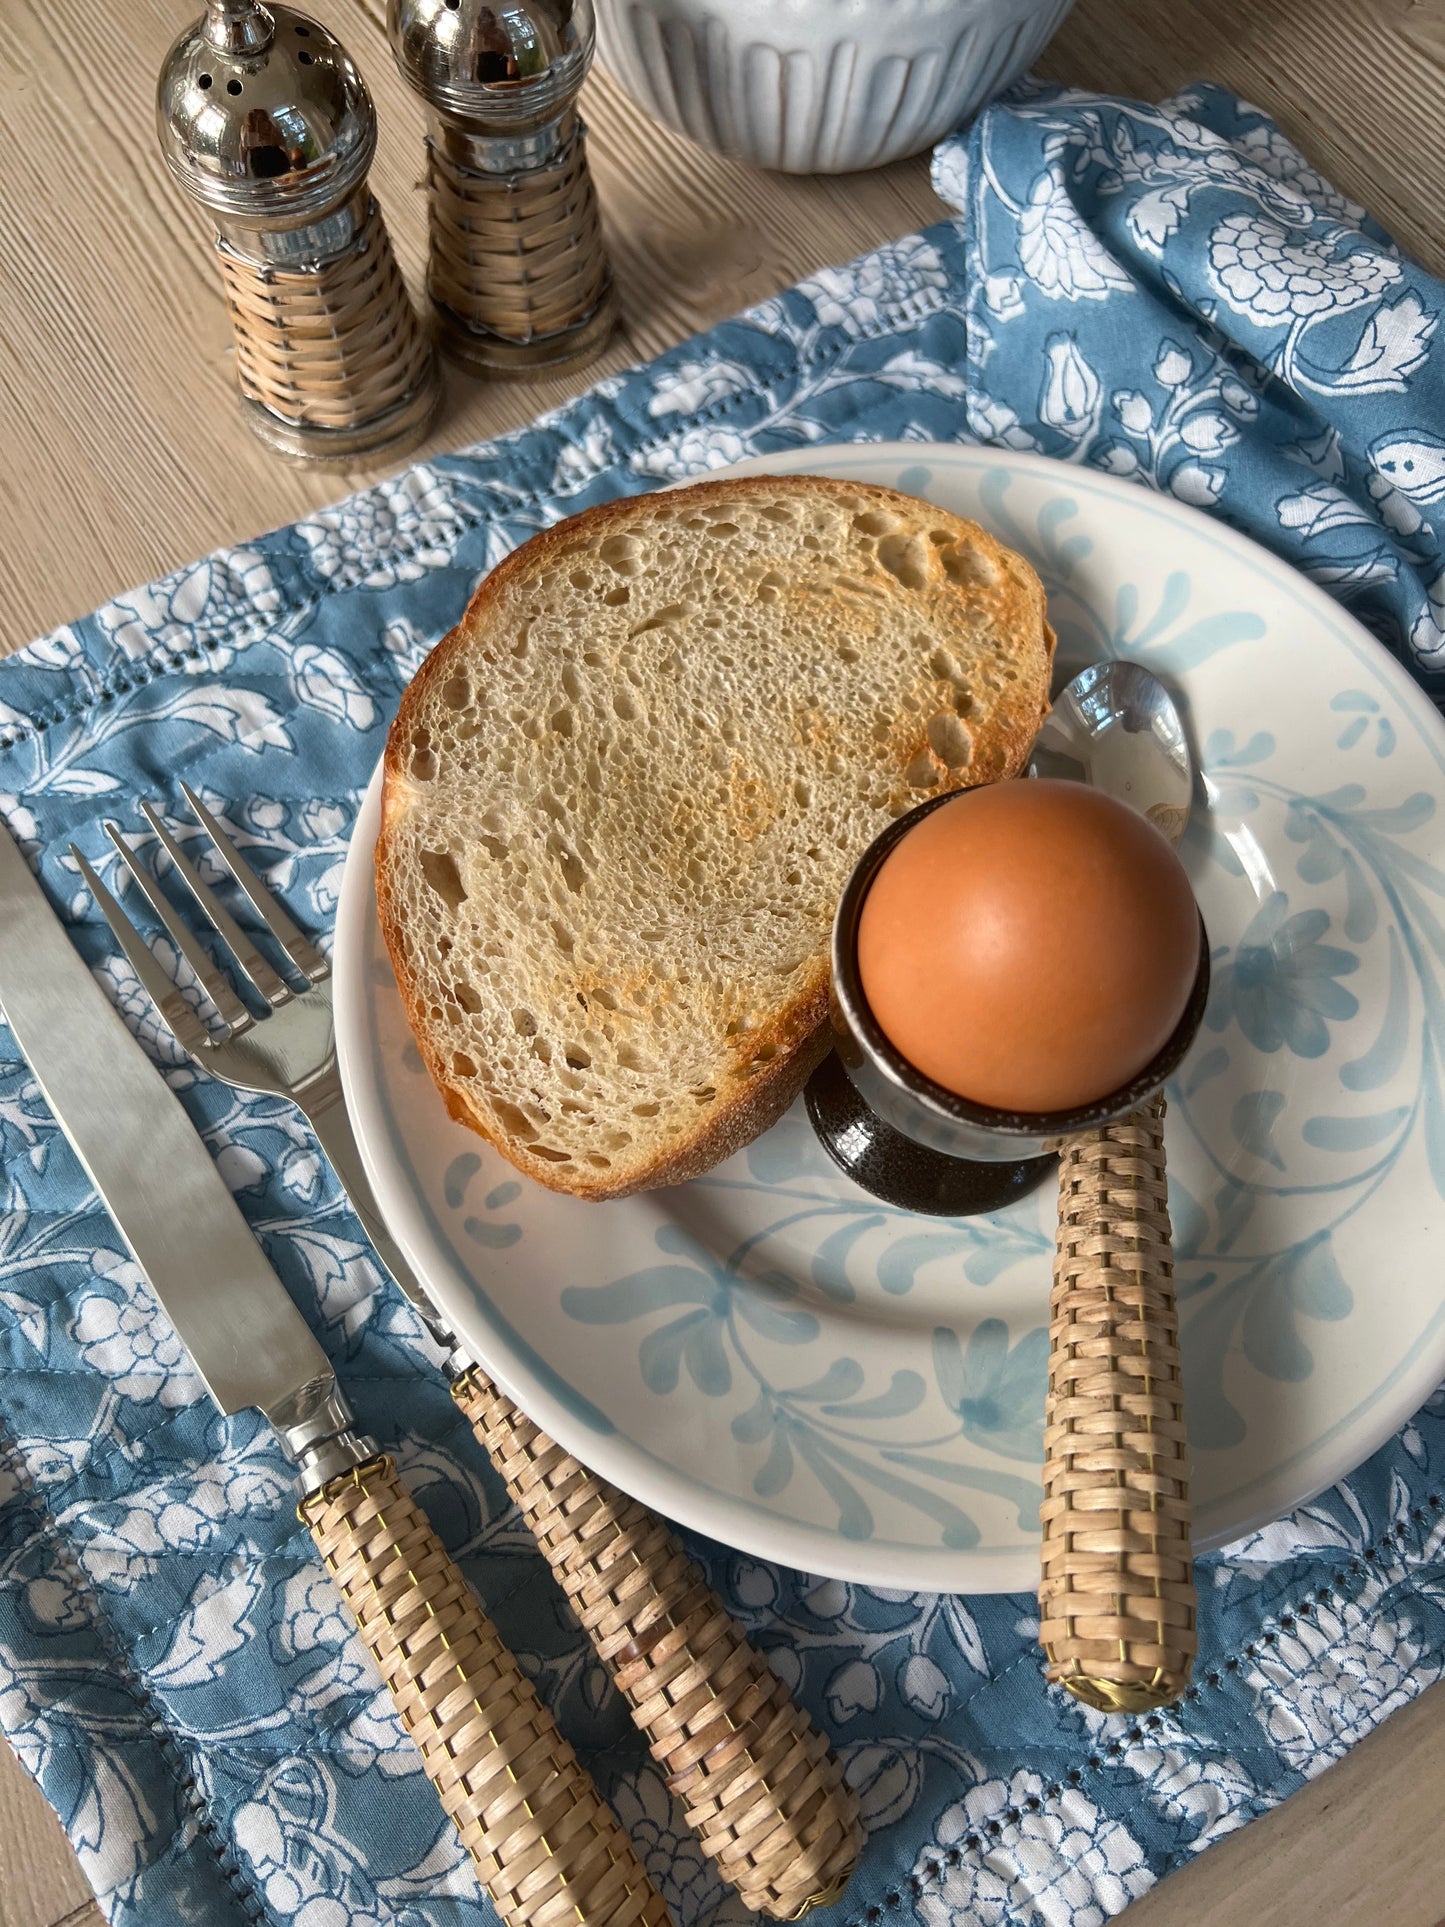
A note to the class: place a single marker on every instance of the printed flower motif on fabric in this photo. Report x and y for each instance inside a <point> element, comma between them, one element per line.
<point>1054,1859</point>
<point>1255,297</point>
<point>393,533</point>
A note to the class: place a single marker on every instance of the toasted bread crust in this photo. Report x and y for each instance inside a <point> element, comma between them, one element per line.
<point>797,1030</point>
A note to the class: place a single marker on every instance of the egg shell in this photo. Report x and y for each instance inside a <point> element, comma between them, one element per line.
<point>1030,946</point>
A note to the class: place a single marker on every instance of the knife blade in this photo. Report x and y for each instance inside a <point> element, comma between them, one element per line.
<point>543,1839</point>
<point>141,1152</point>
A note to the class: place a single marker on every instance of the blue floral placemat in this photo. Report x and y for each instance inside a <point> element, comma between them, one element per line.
<point>1169,293</point>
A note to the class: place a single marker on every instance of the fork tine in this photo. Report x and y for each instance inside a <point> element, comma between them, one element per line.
<point>297,945</point>
<point>210,977</point>
<point>171,1006</point>
<point>273,988</point>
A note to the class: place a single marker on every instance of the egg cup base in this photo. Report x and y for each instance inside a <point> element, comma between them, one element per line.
<point>901,1171</point>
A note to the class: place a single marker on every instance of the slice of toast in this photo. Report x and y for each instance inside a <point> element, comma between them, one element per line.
<point>623,795</point>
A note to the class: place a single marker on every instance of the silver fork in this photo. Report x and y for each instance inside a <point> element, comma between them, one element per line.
<point>768,1799</point>
<point>291,1051</point>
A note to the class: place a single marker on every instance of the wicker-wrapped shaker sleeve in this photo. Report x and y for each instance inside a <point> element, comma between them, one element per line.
<point>1116,1597</point>
<point>333,345</point>
<point>759,1783</point>
<point>547,1847</point>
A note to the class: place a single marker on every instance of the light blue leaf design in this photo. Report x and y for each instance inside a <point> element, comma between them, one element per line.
<point>1348,699</point>
<point>842,1379</point>
<point>497,1237</point>
<point>1214,1421</point>
<point>1252,1119</point>
<point>855,1520</point>
<point>637,1294</point>
<point>1221,752</point>
<point>1172,604</point>
<point>905,1394</point>
<point>1281,985</point>
<point>753,1426</point>
<point>915,480</point>
<point>1434,1119</point>
<point>1353,1133</point>
<point>996,1390</point>
<point>773,1474</point>
<point>1302,1282</point>
<point>1233,1208</point>
<point>459,1173</point>
<point>1207,637</point>
<point>693,1340</point>
<point>830,1261</point>
<point>765,1303</point>
<point>998,1251</point>
<point>900,1263</point>
<point>1206,1067</point>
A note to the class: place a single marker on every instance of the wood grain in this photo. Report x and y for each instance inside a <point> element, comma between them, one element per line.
<point>123,456</point>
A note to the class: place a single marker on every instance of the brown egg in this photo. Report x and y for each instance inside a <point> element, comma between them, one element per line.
<point>1031,945</point>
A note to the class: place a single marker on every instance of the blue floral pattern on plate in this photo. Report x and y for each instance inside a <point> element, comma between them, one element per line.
<point>772,1356</point>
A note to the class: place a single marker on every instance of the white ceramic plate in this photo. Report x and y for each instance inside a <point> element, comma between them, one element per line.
<point>772,1357</point>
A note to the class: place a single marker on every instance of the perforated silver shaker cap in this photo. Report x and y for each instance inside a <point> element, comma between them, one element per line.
<point>504,67</point>
<point>262,114</point>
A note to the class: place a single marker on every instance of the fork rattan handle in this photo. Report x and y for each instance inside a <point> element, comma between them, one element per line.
<point>1116,1599</point>
<point>547,1847</point>
<point>758,1781</point>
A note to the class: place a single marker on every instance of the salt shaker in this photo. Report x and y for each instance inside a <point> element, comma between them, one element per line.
<point>518,272</point>
<point>266,123</point>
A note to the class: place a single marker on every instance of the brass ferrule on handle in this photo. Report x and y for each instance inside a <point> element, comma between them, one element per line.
<point>759,1783</point>
<point>1116,1596</point>
<point>546,1846</point>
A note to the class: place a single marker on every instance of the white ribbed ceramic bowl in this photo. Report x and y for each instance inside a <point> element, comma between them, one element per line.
<point>819,86</point>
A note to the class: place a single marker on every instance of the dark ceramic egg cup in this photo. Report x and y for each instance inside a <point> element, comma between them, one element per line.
<point>915,1144</point>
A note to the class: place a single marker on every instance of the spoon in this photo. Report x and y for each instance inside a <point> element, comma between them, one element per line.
<point>1116,1595</point>
<point>1115,727</point>
<point>1116,1592</point>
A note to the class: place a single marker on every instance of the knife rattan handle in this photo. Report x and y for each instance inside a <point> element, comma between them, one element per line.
<point>1116,1599</point>
<point>547,1847</point>
<point>758,1781</point>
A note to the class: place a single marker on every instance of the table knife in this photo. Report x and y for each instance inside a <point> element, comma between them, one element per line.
<point>547,1847</point>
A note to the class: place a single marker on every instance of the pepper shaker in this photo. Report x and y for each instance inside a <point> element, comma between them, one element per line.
<point>518,272</point>
<point>266,123</point>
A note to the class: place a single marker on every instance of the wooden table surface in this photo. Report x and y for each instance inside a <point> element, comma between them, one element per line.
<point>124,457</point>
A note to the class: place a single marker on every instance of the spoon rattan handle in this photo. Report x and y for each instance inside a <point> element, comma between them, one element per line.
<point>1116,1599</point>
<point>760,1786</point>
<point>547,1847</point>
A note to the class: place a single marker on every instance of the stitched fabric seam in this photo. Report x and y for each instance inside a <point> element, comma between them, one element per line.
<point>167,1743</point>
<point>912,1887</point>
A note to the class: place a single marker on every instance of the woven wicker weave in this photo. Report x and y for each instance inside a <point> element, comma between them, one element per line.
<point>520,256</point>
<point>334,346</point>
<point>548,1849</point>
<point>1116,1600</point>
<point>757,1780</point>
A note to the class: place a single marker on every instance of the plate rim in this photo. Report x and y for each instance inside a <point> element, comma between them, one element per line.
<point>740,1524</point>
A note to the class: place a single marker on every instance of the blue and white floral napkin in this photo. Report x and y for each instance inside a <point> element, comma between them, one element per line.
<point>1174,294</point>
<point>1167,292</point>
